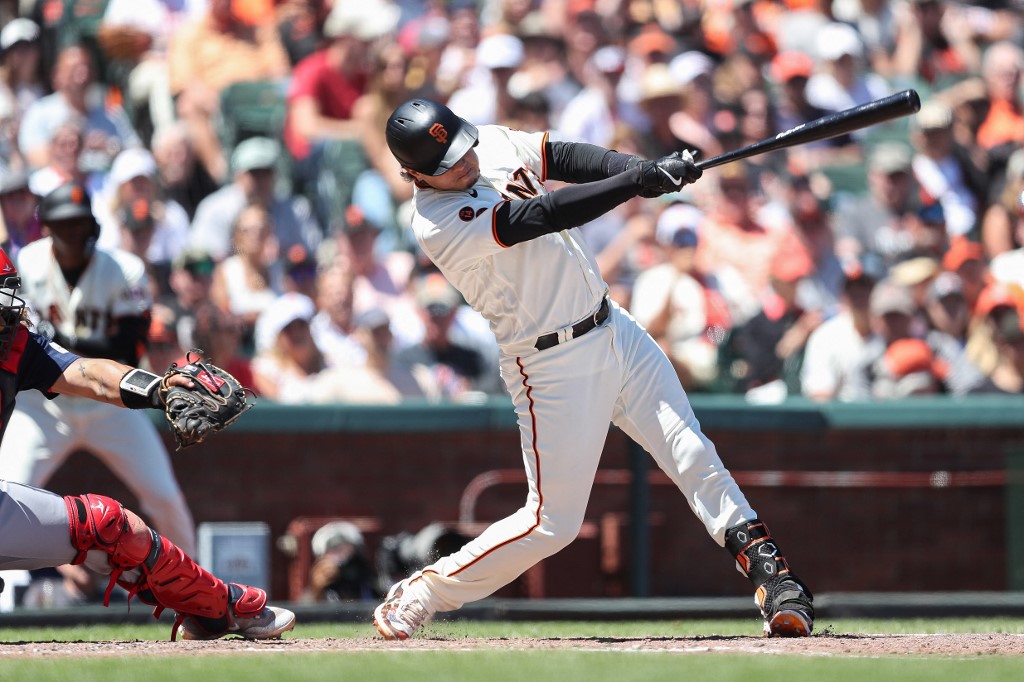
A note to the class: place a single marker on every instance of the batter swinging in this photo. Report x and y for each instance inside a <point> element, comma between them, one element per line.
<point>571,358</point>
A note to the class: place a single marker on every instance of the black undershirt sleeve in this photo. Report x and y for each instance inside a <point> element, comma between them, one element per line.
<point>579,162</point>
<point>567,207</point>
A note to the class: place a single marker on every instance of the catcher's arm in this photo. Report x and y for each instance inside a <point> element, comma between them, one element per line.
<point>100,379</point>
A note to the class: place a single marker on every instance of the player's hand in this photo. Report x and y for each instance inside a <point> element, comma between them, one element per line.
<point>668,174</point>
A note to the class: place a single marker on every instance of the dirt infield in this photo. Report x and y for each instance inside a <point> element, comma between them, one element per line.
<point>823,644</point>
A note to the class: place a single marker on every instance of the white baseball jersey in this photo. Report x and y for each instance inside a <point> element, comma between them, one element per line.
<point>42,433</point>
<point>523,292</point>
<point>114,284</point>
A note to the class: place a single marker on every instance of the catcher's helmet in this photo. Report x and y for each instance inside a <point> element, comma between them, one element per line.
<point>428,137</point>
<point>67,202</point>
<point>11,305</point>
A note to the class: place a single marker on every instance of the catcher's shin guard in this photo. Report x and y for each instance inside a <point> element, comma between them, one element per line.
<point>170,579</point>
<point>784,600</point>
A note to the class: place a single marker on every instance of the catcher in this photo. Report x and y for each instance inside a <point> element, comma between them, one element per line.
<point>41,529</point>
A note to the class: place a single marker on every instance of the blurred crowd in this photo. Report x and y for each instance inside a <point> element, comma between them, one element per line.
<point>237,147</point>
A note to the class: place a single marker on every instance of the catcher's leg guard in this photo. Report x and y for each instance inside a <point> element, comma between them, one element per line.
<point>784,600</point>
<point>170,579</point>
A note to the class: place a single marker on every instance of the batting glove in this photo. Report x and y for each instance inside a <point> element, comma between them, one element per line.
<point>668,174</point>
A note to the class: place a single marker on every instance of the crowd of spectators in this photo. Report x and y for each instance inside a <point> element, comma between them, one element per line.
<point>237,147</point>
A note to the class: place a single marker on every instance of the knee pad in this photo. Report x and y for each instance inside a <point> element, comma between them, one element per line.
<point>100,522</point>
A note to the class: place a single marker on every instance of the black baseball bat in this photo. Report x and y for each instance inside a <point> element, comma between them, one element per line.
<point>861,116</point>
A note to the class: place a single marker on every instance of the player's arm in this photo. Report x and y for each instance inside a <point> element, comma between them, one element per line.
<point>618,178</point>
<point>111,382</point>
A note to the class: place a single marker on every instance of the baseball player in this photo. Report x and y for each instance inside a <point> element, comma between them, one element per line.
<point>571,358</point>
<point>95,303</point>
<point>40,529</point>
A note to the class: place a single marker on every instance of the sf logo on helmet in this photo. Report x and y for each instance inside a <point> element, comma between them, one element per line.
<point>438,132</point>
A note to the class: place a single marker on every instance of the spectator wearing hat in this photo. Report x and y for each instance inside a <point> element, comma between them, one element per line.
<point>693,123</point>
<point>658,100</point>
<point>841,81</point>
<point>1001,69</point>
<point>134,216</point>
<point>19,221</point>
<point>876,23</point>
<point>893,312</point>
<point>443,370</point>
<point>771,344</point>
<point>321,132</point>
<point>1008,266</point>
<point>945,306</point>
<point>106,128</point>
<point>248,281</point>
<point>287,360</point>
<point>19,65</point>
<point>334,325</point>
<point>180,176</point>
<point>253,161</point>
<point>881,222</point>
<point>485,98</point>
<point>967,259</point>
<point>592,114</point>
<point>908,368</point>
<point>209,54</point>
<point>299,271</point>
<point>791,71</point>
<point>995,301</point>
<point>1008,375</point>
<point>546,71</point>
<point>682,307</point>
<point>934,43</point>
<point>949,178</point>
<point>834,347</point>
<point>189,287</point>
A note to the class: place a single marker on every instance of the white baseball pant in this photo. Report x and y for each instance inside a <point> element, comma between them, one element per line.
<point>565,397</point>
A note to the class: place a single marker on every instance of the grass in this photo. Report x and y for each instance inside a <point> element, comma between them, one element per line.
<point>393,663</point>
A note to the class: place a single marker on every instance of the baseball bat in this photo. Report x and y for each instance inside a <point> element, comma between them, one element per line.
<point>861,116</point>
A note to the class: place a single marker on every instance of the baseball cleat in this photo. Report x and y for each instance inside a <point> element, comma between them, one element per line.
<point>248,617</point>
<point>786,605</point>
<point>401,614</point>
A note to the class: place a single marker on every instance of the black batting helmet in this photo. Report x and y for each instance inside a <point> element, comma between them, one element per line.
<point>67,202</point>
<point>428,137</point>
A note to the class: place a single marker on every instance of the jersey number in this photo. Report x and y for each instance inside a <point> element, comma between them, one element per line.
<point>523,186</point>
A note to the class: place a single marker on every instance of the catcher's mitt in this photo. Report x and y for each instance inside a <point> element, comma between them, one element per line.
<point>213,404</point>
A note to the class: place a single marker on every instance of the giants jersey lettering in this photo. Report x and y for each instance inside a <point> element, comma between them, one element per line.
<point>113,285</point>
<point>524,290</point>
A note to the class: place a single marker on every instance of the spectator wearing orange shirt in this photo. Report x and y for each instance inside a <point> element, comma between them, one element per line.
<point>1001,70</point>
<point>210,54</point>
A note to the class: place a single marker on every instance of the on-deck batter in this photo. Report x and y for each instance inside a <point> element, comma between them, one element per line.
<point>572,359</point>
<point>96,303</point>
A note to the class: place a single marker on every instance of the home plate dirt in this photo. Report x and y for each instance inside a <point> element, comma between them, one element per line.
<point>825,644</point>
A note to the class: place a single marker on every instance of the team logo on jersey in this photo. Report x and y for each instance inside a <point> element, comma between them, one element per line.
<point>466,213</point>
<point>438,132</point>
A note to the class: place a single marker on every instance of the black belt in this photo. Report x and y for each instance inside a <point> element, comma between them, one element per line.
<point>579,329</point>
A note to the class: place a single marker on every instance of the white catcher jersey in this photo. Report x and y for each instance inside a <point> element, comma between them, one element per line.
<point>524,290</point>
<point>113,285</point>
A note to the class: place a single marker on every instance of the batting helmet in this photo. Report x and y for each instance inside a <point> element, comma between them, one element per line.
<point>428,137</point>
<point>11,305</point>
<point>67,202</point>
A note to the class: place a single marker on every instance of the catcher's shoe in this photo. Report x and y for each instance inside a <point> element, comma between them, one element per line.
<point>248,617</point>
<point>402,613</point>
<point>786,605</point>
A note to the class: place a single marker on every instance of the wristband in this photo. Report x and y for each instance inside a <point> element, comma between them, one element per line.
<point>139,390</point>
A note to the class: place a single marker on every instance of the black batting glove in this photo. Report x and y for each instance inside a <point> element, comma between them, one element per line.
<point>668,174</point>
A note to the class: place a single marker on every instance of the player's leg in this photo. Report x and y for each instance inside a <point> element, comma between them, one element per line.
<point>127,442</point>
<point>656,413</point>
<point>39,441</point>
<point>563,397</point>
<point>161,574</point>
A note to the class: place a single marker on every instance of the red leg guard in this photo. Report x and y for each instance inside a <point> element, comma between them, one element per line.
<point>170,579</point>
